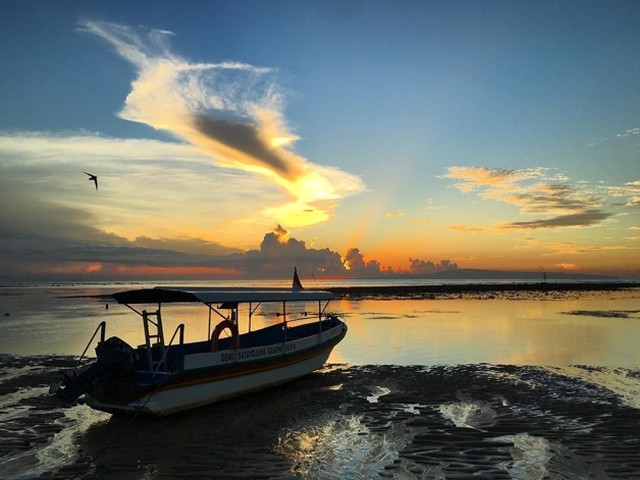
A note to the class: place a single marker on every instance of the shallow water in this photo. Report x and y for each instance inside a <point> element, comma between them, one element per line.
<point>595,328</point>
<point>559,332</point>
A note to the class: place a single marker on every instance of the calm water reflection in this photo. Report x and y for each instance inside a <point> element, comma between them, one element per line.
<point>593,329</point>
<point>517,332</point>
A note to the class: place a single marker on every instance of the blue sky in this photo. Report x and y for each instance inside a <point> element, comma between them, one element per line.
<point>488,134</point>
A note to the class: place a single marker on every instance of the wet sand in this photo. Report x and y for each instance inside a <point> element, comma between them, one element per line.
<point>493,422</point>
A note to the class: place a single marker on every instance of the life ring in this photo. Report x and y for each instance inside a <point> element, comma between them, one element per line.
<point>215,336</point>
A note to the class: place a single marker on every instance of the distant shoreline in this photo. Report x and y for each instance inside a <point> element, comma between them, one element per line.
<point>428,291</point>
<point>466,290</point>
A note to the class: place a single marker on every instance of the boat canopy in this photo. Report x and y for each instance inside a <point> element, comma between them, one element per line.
<point>209,296</point>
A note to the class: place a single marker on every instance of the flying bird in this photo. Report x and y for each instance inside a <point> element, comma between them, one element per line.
<point>93,178</point>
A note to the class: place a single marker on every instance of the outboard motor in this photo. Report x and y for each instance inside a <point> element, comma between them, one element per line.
<point>107,379</point>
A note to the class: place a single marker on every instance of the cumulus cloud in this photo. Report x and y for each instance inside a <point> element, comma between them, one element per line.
<point>280,232</point>
<point>231,111</point>
<point>418,266</point>
<point>535,191</point>
<point>355,263</point>
<point>278,254</point>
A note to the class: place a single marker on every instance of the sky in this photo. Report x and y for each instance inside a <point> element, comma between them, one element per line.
<point>347,138</point>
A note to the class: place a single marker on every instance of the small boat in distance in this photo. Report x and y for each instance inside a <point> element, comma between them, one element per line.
<point>160,378</point>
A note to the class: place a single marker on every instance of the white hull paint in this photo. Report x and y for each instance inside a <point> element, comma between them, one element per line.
<point>184,396</point>
<point>189,397</point>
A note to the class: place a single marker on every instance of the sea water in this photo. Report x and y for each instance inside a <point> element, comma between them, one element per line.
<point>588,328</point>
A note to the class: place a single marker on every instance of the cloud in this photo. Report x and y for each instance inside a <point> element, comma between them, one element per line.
<point>278,254</point>
<point>418,266</point>
<point>45,240</point>
<point>573,248</point>
<point>582,219</point>
<point>246,139</point>
<point>535,191</point>
<point>191,245</point>
<point>143,186</point>
<point>230,111</point>
<point>472,178</point>
<point>467,228</point>
<point>355,263</point>
<point>632,191</point>
<point>567,266</point>
<point>143,223</point>
<point>630,132</point>
<point>36,248</point>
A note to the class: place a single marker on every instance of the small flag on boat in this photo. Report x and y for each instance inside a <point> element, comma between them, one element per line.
<point>296,281</point>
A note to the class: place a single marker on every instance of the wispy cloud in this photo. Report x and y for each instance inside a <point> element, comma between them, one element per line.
<point>567,266</point>
<point>582,219</point>
<point>575,248</point>
<point>138,179</point>
<point>630,132</point>
<point>535,191</point>
<point>461,227</point>
<point>230,111</point>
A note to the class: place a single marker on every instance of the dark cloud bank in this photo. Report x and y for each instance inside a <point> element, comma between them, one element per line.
<point>44,242</point>
<point>32,254</point>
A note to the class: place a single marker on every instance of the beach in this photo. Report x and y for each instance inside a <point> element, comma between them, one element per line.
<point>522,419</point>
<point>344,422</point>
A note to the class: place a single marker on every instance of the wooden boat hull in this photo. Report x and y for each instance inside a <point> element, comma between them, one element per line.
<point>229,374</point>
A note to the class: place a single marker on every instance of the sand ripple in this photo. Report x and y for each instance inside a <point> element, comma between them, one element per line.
<point>441,422</point>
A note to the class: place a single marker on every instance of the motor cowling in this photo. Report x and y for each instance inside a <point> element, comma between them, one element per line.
<point>108,379</point>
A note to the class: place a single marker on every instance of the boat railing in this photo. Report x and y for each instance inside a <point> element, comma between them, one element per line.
<point>303,317</point>
<point>163,361</point>
<point>102,327</point>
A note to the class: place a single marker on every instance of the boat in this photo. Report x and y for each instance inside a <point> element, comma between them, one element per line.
<point>161,378</point>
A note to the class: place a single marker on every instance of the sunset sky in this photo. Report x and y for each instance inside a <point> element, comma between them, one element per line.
<point>242,138</point>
